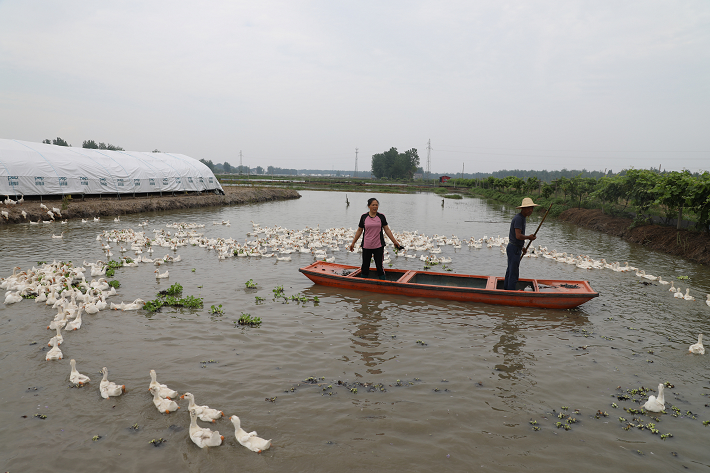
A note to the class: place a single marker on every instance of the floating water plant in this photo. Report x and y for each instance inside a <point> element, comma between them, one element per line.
<point>217,310</point>
<point>250,284</point>
<point>247,319</point>
<point>115,283</point>
<point>258,299</point>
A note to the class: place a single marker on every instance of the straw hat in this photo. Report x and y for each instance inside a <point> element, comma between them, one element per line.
<point>527,202</point>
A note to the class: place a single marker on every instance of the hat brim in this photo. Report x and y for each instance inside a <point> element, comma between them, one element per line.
<point>527,206</point>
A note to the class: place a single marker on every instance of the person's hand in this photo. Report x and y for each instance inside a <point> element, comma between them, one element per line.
<point>532,237</point>
<point>352,247</point>
<point>524,250</point>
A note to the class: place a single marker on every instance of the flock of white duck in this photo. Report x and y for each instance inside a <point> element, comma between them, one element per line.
<point>52,283</point>
<point>57,285</point>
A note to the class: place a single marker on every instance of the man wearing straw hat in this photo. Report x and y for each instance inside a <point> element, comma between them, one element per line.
<point>517,238</point>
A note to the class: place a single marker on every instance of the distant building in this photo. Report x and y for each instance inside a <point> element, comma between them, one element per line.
<point>444,178</point>
<point>419,176</point>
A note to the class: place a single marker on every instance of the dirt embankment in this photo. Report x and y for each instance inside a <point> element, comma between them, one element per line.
<point>111,206</point>
<point>694,246</point>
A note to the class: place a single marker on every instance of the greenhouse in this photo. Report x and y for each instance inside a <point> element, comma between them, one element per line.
<point>28,168</point>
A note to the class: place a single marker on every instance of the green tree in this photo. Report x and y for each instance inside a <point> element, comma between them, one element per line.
<point>227,168</point>
<point>209,164</point>
<point>90,144</point>
<point>156,150</point>
<point>671,191</point>
<point>47,141</point>
<point>641,188</point>
<point>60,142</point>
<point>394,165</point>
<point>259,170</point>
<point>698,199</point>
<point>110,147</point>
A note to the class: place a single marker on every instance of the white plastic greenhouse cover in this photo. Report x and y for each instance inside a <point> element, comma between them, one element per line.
<point>28,168</point>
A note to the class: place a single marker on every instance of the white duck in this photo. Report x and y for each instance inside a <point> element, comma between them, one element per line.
<point>135,305</point>
<point>205,413</point>
<point>203,437</point>
<point>708,300</point>
<point>164,275</point>
<point>55,353</point>
<point>12,297</point>
<point>76,323</point>
<point>687,295</point>
<point>162,404</point>
<point>61,322</point>
<point>91,308</point>
<point>697,348</point>
<point>661,281</point>
<point>58,337</point>
<point>109,388</point>
<point>76,377</point>
<point>165,391</point>
<point>656,404</point>
<point>249,440</point>
<point>678,294</point>
<point>672,288</point>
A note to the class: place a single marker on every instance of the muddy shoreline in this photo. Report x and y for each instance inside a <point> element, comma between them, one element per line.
<point>112,207</point>
<point>694,246</point>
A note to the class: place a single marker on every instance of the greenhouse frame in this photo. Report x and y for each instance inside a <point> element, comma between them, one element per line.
<point>38,169</point>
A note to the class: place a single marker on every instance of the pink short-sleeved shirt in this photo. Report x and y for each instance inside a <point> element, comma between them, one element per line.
<point>372,230</point>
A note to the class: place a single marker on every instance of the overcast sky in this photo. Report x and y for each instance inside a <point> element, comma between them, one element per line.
<point>494,84</point>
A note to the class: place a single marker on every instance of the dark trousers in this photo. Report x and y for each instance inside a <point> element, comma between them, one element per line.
<point>367,254</point>
<point>512,274</point>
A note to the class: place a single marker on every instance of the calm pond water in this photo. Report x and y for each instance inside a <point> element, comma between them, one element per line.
<point>462,382</point>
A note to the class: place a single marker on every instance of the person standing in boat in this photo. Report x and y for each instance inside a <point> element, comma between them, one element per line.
<point>517,237</point>
<point>371,226</point>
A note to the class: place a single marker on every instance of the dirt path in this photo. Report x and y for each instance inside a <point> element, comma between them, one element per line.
<point>111,206</point>
<point>694,246</point>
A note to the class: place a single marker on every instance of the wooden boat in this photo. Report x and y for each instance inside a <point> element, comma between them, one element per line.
<point>542,293</point>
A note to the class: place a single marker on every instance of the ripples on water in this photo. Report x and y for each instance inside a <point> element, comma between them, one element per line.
<point>482,375</point>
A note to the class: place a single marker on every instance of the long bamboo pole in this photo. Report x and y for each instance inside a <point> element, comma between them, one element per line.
<point>538,229</point>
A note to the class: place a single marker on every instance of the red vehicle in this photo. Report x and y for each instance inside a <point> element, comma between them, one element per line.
<point>542,293</point>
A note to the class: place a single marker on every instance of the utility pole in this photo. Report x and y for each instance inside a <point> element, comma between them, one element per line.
<point>240,161</point>
<point>428,159</point>
<point>356,162</point>
<point>462,168</point>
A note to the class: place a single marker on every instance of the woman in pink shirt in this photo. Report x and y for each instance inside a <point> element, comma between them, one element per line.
<point>372,224</point>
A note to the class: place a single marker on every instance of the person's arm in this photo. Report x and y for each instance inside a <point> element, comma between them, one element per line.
<point>388,232</point>
<point>519,235</point>
<point>357,235</point>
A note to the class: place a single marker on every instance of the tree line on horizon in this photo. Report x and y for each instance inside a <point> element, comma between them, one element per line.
<point>88,144</point>
<point>672,191</point>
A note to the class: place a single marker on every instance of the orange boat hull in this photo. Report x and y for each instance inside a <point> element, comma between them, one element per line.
<point>545,294</point>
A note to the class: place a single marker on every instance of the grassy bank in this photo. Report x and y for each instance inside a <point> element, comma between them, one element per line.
<point>689,244</point>
<point>112,207</point>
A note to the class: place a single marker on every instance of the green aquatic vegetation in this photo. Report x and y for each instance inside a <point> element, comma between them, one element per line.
<point>153,306</point>
<point>174,290</point>
<point>115,283</point>
<point>217,310</point>
<point>250,284</point>
<point>247,319</point>
<point>110,272</point>
<point>683,278</point>
<point>258,299</point>
<point>40,263</point>
<point>193,270</point>
<point>316,300</point>
<point>95,438</point>
<point>29,296</point>
<point>278,292</point>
